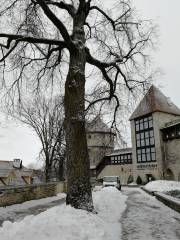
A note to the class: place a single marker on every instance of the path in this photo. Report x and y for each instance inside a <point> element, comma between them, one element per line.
<point>146,218</point>
<point>13,214</point>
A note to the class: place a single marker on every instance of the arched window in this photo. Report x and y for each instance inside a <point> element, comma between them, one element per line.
<point>169,175</point>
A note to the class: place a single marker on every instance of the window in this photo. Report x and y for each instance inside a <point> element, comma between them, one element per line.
<point>125,158</point>
<point>171,133</point>
<point>145,143</point>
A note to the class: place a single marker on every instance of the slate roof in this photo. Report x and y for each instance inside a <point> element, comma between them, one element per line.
<point>155,101</point>
<point>5,172</point>
<point>7,167</point>
<point>120,151</point>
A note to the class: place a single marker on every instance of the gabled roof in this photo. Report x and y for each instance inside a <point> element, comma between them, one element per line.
<point>6,167</point>
<point>4,173</point>
<point>6,164</point>
<point>155,101</point>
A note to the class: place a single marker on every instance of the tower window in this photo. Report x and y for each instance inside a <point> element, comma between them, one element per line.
<point>145,142</point>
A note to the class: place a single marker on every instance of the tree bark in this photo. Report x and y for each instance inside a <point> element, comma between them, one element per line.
<point>78,165</point>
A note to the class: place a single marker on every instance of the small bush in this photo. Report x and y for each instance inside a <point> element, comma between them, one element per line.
<point>139,180</point>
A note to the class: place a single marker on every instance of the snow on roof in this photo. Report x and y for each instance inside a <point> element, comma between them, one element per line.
<point>155,101</point>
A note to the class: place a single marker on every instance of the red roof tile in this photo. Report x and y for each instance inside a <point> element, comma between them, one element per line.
<point>155,101</point>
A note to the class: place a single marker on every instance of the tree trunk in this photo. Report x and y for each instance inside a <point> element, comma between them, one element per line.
<point>47,167</point>
<point>78,165</point>
<point>47,173</point>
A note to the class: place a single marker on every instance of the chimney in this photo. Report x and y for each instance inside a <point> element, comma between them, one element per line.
<point>17,163</point>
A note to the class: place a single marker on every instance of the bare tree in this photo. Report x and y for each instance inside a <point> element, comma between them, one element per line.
<point>46,117</point>
<point>44,44</point>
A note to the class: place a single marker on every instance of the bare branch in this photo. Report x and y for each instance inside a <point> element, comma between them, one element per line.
<point>68,7</point>
<point>20,38</point>
<point>55,20</point>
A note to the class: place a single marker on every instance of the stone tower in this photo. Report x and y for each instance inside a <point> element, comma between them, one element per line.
<point>100,140</point>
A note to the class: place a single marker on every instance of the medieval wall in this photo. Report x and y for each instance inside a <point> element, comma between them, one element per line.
<point>99,145</point>
<point>17,195</point>
<point>172,159</point>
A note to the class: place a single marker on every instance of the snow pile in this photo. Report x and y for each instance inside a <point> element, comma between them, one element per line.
<point>97,188</point>
<point>66,223</point>
<point>132,184</point>
<point>162,186</point>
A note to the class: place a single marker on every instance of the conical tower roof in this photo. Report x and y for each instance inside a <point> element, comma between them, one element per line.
<point>155,101</point>
<point>97,125</point>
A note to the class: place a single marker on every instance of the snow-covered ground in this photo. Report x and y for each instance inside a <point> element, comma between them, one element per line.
<point>30,204</point>
<point>146,218</point>
<point>162,186</point>
<point>66,223</point>
<point>17,212</point>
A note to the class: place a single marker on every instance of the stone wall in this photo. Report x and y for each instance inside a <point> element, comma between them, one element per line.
<point>172,159</point>
<point>123,171</point>
<point>15,195</point>
<point>99,145</point>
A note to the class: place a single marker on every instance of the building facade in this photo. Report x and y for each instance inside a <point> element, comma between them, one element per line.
<point>118,163</point>
<point>149,149</point>
<point>171,150</point>
<point>155,136</point>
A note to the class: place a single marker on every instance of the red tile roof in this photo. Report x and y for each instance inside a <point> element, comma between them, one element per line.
<point>155,101</point>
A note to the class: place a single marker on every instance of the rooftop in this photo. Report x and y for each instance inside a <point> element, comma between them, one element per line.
<point>97,125</point>
<point>121,151</point>
<point>155,101</point>
<point>6,167</point>
<point>171,124</point>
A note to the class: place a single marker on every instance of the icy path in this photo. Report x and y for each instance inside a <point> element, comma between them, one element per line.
<point>145,218</point>
<point>17,212</point>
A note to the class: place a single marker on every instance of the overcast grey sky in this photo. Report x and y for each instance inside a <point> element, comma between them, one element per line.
<point>20,142</point>
<point>166,14</point>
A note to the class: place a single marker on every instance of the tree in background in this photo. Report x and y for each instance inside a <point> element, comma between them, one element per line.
<point>46,117</point>
<point>49,40</point>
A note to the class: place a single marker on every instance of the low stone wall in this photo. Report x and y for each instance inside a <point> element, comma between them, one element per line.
<point>169,201</point>
<point>15,195</point>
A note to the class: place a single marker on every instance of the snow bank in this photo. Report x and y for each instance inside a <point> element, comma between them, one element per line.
<point>132,184</point>
<point>7,211</point>
<point>162,186</point>
<point>66,223</point>
<point>97,188</point>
